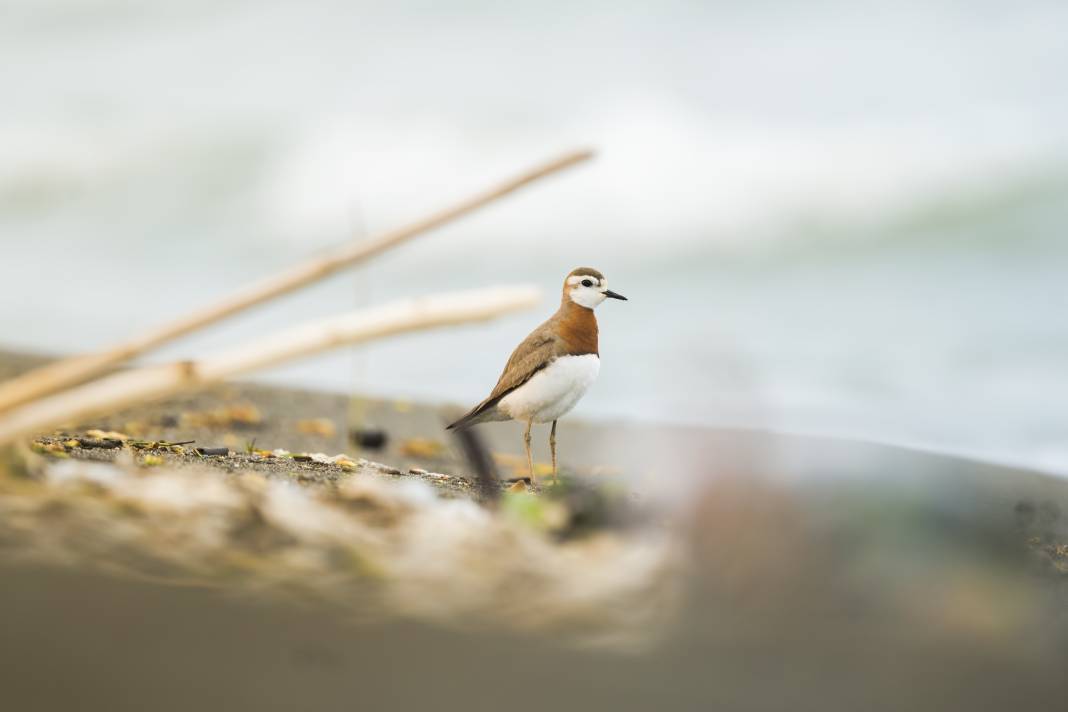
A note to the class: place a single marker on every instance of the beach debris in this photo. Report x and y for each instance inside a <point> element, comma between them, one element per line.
<point>341,460</point>
<point>106,435</point>
<point>128,388</point>
<point>380,467</point>
<point>101,440</point>
<point>422,448</point>
<point>54,449</point>
<point>323,427</point>
<point>159,445</point>
<point>314,467</point>
<point>369,438</point>
<point>100,443</point>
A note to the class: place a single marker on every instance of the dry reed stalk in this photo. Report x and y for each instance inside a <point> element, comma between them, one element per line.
<point>68,372</point>
<point>128,388</point>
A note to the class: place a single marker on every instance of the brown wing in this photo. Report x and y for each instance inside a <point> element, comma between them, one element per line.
<point>535,353</point>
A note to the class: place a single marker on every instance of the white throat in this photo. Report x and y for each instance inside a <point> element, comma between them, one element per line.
<point>584,297</point>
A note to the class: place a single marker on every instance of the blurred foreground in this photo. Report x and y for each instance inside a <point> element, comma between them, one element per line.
<point>754,572</point>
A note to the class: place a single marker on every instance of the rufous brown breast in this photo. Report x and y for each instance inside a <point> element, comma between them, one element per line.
<point>577,328</point>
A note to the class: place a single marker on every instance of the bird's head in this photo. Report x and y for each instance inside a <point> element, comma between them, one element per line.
<point>587,287</point>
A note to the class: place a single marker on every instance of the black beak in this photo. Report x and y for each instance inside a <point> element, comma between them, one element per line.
<point>612,295</point>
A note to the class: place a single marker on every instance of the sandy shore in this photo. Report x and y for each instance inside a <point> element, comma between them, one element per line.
<point>654,457</point>
<point>660,461</point>
<point>245,417</point>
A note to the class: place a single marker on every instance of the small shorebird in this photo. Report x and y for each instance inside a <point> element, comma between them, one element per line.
<point>551,369</point>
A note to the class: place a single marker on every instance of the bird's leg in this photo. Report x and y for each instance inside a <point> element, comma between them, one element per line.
<point>552,448</point>
<point>530,458</point>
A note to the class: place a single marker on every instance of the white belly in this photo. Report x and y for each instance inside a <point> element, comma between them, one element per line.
<point>552,391</point>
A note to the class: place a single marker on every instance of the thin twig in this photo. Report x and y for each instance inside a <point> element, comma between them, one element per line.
<point>68,372</point>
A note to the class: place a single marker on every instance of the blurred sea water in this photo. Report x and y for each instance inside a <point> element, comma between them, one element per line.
<point>834,218</point>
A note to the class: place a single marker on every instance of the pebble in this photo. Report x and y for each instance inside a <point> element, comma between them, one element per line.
<point>369,438</point>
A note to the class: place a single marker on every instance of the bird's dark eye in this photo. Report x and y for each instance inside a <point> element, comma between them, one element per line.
<point>587,283</point>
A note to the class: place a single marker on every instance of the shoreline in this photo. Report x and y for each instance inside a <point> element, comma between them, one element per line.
<point>300,420</point>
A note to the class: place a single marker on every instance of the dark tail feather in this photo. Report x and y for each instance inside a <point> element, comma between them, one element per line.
<point>471,418</point>
<point>464,422</point>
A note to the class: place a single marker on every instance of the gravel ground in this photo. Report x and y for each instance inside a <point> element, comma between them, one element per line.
<point>296,467</point>
<point>251,421</point>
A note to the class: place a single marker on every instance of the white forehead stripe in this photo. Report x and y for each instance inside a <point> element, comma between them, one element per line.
<point>576,278</point>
